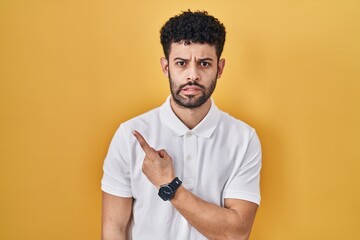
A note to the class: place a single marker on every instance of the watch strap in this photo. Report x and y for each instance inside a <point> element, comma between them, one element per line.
<point>175,184</point>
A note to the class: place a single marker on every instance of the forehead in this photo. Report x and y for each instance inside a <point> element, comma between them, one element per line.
<point>197,50</point>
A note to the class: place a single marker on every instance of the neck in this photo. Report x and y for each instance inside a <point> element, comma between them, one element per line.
<point>191,117</point>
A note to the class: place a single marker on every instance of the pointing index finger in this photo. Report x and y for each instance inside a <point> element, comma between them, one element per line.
<point>144,145</point>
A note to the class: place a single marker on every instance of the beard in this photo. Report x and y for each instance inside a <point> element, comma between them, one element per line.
<point>191,101</point>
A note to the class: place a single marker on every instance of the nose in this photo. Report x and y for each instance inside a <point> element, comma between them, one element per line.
<point>193,73</point>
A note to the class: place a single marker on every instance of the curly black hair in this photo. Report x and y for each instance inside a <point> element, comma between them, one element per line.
<point>193,27</point>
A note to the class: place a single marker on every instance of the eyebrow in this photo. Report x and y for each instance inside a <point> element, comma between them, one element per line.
<point>199,60</point>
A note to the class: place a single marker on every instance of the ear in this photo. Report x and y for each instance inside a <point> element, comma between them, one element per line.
<point>164,66</point>
<point>221,66</point>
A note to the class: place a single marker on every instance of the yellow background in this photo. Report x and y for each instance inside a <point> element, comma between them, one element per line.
<point>71,71</point>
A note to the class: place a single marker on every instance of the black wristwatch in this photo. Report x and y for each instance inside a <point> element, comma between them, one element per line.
<point>167,191</point>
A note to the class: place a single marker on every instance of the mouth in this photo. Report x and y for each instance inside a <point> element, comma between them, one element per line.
<point>191,90</point>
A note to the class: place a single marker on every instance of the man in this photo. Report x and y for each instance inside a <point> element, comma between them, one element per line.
<point>185,170</point>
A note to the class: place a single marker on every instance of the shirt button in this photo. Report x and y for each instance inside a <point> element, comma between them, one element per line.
<point>189,134</point>
<point>188,157</point>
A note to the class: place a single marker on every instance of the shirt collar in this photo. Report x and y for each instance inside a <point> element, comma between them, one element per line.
<point>204,129</point>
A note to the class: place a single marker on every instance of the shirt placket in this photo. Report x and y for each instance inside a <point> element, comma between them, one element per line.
<point>190,156</point>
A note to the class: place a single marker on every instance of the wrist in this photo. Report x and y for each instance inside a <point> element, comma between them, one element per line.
<point>178,195</point>
<point>164,182</point>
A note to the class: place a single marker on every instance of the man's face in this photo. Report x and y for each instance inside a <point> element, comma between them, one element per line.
<point>193,70</point>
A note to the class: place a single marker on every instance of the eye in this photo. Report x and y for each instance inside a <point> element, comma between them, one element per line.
<point>204,64</point>
<point>180,63</point>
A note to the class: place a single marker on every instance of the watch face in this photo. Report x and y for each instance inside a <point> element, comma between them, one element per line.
<point>166,193</point>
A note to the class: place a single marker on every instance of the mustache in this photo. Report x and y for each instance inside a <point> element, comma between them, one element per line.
<point>191,84</point>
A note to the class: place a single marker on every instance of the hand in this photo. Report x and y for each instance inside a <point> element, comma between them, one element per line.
<point>157,165</point>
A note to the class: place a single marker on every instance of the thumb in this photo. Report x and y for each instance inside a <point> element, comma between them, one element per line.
<point>162,153</point>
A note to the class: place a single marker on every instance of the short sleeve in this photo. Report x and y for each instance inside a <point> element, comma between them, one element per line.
<point>116,176</point>
<point>245,182</point>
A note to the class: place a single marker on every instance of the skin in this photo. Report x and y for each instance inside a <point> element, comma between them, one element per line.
<point>192,63</point>
<point>116,213</point>
<point>187,63</point>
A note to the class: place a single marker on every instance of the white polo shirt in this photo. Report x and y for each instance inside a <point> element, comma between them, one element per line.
<point>219,158</point>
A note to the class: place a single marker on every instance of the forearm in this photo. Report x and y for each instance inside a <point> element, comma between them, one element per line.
<point>212,221</point>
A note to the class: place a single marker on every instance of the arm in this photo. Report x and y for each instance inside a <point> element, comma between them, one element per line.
<point>232,222</point>
<point>116,213</point>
